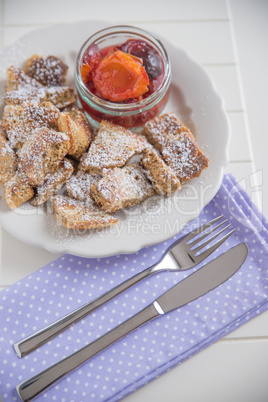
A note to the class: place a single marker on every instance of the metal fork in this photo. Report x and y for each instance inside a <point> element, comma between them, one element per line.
<point>187,253</point>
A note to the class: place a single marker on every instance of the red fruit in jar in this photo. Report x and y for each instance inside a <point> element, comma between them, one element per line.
<point>119,77</point>
<point>151,59</point>
<point>91,58</point>
<point>86,71</point>
<point>92,54</point>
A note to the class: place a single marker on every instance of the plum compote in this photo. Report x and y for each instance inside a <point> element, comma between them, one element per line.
<point>127,72</point>
<point>122,75</point>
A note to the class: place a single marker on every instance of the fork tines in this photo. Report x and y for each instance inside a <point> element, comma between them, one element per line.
<point>194,240</point>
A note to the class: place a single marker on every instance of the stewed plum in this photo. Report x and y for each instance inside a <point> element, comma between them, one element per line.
<point>126,72</point>
<point>123,76</point>
<point>151,59</point>
<point>91,58</point>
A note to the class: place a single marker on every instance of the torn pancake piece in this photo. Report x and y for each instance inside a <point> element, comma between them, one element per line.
<point>78,186</point>
<point>74,123</point>
<point>53,182</point>
<point>159,173</point>
<point>184,157</point>
<point>113,147</point>
<point>49,71</point>
<point>59,96</point>
<point>74,214</point>
<point>20,120</point>
<point>17,190</point>
<point>42,153</point>
<point>8,160</point>
<point>177,145</point>
<point>158,129</point>
<point>17,79</point>
<point>122,188</point>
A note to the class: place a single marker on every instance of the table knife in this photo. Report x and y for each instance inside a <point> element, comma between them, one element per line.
<point>194,286</point>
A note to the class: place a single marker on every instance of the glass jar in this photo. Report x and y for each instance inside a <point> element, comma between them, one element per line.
<point>127,114</point>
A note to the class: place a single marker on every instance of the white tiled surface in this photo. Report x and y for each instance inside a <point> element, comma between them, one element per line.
<point>216,33</point>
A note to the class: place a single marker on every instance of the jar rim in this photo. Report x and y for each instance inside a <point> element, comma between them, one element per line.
<point>123,29</point>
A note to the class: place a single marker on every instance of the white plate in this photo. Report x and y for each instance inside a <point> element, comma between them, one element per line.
<point>194,100</point>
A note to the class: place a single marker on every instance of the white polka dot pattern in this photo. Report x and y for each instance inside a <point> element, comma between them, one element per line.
<point>154,348</point>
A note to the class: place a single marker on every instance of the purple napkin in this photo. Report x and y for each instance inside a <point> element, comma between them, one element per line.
<point>154,348</point>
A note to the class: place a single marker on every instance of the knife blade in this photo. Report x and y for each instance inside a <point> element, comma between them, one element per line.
<point>204,280</point>
<point>194,286</point>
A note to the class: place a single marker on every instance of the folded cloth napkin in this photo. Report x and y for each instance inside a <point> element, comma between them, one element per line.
<point>152,349</point>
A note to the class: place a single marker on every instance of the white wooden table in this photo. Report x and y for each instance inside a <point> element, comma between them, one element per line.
<point>229,38</point>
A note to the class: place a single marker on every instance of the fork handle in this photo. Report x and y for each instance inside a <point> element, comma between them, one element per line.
<point>32,342</point>
<point>38,383</point>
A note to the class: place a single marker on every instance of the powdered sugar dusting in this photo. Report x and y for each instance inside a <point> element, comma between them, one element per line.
<point>180,153</point>
<point>163,178</point>
<point>42,153</point>
<point>78,186</point>
<point>157,129</point>
<point>17,79</point>
<point>59,96</point>
<point>49,71</point>
<point>112,147</point>
<point>122,187</point>
<point>177,146</point>
<point>53,182</point>
<point>20,121</point>
<point>75,214</point>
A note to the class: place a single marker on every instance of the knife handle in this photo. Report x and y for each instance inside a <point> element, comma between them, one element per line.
<point>37,339</point>
<point>29,389</point>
